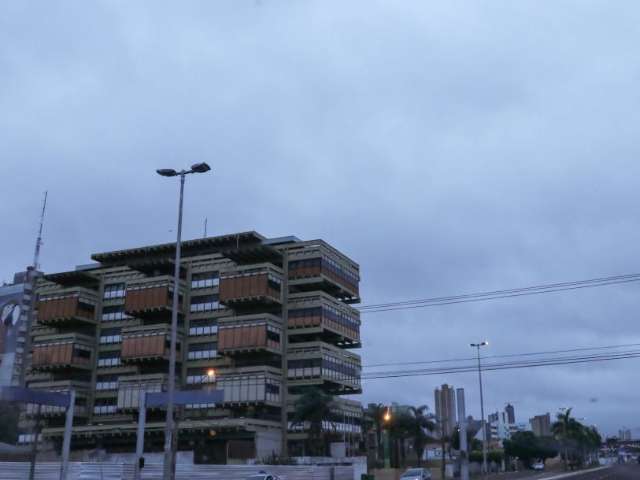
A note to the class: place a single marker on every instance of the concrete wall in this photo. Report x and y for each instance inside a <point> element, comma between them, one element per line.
<point>114,471</point>
<point>267,443</point>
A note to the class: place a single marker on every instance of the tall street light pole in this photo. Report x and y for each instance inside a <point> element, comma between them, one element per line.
<point>477,346</point>
<point>169,469</point>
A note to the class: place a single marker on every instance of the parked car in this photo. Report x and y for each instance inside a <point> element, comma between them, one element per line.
<point>263,476</point>
<point>416,474</point>
<point>539,466</point>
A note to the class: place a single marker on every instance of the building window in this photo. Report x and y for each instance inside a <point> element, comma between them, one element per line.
<point>109,359</point>
<point>110,335</point>
<point>205,280</point>
<point>107,382</point>
<point>208,326</point>
<point>198,376</point>
<point>115,290</point>
<point>105,407</point>
<point>204,303</point>
<point>114,313</point>
<point>201,351</point>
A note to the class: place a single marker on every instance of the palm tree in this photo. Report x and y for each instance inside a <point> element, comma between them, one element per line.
<point>313,408</point>
<point>562,430</point>
<point>421,425</point>
<point>580,439</point>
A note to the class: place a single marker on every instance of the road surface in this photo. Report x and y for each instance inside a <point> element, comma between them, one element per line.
<point>615,472</point>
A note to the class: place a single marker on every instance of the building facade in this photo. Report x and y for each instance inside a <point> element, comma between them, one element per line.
<point>511,413</point>
<point>262,319</point>
<point>446,415</point>
<point>15,307</point>
<point>541,425</point>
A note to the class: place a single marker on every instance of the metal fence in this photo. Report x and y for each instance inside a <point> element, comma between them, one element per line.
<point>118,471</point>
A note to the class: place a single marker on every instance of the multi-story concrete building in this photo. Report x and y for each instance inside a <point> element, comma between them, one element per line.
<point>258,318</point>
<point>541,425</point>
<point>446,415</point>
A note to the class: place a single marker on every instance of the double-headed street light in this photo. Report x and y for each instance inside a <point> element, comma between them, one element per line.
<point>169,430</point>
<point>477,346</point>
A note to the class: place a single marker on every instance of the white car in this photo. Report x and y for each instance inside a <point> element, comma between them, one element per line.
<point>416,474</point>
<point>539,466</point>
<point>263,476</point>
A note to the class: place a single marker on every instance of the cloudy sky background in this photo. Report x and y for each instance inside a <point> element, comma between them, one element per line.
<point>447,147</point>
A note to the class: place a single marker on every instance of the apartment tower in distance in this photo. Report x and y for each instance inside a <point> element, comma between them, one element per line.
<point>104,330</point>
<point>541,425</point>
<point>445,401</point>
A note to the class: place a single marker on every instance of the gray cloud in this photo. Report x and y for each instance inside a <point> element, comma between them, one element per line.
<point>448,148</point>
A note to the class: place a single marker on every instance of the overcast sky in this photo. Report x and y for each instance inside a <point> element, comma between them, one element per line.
<point>448,147</point>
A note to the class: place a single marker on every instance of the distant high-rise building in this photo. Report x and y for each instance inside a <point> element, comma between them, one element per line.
<point>445,400</point>
<point>511,414</point>
<point>624,435</point>
<point>541,425</point>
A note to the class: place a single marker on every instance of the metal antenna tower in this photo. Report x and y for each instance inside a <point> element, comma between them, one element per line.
<point>36,255</point>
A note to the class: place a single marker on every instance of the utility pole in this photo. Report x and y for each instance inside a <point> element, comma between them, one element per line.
<point>443,443</point>
<point>485,470</point>
<point>464,449</point>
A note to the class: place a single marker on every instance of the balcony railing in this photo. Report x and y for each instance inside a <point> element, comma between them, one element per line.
<point>255,283</point>
<point>62,386</point>
<point>146,343</point>
<point>316,264</point>
<point>76,305</point>
<point>314,362</point>
<point>63,351</point>
<point>130,388</point>
<point>150,296</point>
<point>250,333</point>
<point>319,313</point>
<point>250,387</point>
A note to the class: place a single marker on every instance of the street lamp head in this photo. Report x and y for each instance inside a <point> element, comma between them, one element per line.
<point>387,415</point>
<point>211,373</point>
<point>200,167</point>
<point>167,172</point>
<point>485,343</point>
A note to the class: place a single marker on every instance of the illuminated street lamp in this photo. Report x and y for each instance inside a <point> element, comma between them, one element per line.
<point>386,418</point>
<point>169,471</point>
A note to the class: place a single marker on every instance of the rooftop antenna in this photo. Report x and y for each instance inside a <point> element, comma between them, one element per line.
<point>36,255</point>
<point>205,227</point>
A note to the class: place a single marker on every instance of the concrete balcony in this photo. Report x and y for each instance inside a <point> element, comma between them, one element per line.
<point>151,297</point>
<point>149,343</point>
<point>82,390</point>
<point>319,315</point>
<point>251,285</point>
<point>63,351</point>
<point>320,364</point>
<point>318,266</point>
<point>250,334</point>
<point>68,306</point>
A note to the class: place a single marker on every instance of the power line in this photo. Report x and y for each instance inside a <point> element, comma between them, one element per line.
<point>508,355</point>
<point>500,294</point>
<point>506,365</point>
